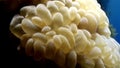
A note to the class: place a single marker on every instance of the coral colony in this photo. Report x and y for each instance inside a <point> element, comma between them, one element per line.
<point>68,32</point>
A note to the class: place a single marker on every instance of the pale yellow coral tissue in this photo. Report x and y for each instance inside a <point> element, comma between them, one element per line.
<point>74,31</point>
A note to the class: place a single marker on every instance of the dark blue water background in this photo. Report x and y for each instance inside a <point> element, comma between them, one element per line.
<point>112,9</point>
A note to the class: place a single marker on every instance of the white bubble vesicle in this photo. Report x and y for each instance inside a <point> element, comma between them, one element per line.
<point>68,32</point>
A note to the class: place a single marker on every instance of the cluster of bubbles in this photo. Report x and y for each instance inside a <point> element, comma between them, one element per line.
<point>68,32</point>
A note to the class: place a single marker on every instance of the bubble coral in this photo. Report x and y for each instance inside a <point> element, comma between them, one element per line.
<point>68,32</point>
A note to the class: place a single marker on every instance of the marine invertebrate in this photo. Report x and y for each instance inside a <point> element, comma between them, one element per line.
<point>67,32</point>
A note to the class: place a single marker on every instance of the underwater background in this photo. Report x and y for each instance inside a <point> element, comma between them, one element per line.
<point>112,9</point>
